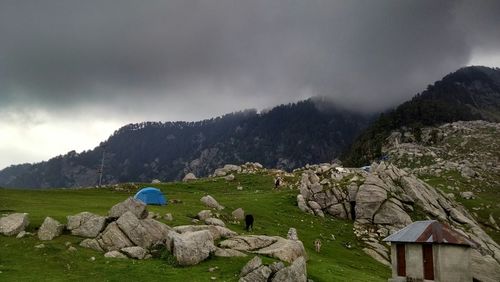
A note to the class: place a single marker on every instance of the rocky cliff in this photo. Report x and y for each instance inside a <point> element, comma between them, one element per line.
<point>387,198</point>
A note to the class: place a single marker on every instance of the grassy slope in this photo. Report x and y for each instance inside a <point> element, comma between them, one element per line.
<point>274,213</point>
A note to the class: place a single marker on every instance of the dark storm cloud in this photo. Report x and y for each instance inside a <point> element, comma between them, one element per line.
<point>198,58</point>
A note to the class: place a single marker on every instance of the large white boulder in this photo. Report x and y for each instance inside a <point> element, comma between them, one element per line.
<point>86,224</point>
<point>210,202</point>
<point>12,224</point>
<point>50,229</point>
<point>137,207</point>
<point>192,248</point>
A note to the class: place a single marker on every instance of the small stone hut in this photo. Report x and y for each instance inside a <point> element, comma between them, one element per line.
<point>430,251</point>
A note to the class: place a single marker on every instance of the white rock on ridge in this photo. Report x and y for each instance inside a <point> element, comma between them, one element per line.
<point>50,229</point>
<point>14,223</point>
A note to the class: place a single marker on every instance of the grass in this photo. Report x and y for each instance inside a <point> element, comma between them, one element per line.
<point>274,211</point>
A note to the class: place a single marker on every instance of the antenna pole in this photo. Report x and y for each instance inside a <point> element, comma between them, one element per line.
<point>102,168</point>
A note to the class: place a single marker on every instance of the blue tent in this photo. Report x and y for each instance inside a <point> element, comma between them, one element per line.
<point>151,196</point>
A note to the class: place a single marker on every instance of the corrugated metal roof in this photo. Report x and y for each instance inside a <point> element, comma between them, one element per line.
<point>429,231</point>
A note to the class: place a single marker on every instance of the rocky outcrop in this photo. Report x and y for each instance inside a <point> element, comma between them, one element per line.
<point>86,224</point>
<point>210,202</point>
<point>137,207</point>
<point>50,229</point>
<point>191,248</point>
<point>382,202</point>
<point>12,224</point>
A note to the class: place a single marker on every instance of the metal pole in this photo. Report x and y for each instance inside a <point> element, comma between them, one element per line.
<point>102,167</point>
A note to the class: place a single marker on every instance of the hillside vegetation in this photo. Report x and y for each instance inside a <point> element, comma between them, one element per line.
<point>274,211</point>
<point>471,93</point>
<point>285,137</point>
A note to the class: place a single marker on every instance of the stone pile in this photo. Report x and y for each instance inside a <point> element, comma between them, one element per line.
<point>381,202</point>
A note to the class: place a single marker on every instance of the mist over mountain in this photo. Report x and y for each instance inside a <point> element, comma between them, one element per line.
<point>470,93</point>
<point>286,137</point>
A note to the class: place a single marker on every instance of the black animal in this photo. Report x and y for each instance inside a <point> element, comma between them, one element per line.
<point>249,222</point>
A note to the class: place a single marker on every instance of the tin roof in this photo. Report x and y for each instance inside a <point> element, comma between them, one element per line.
<point>429,231</point>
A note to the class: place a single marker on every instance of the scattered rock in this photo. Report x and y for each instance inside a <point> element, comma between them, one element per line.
<point>204,214</point>
<point>72,249</point>
<point>135,252</point>
<point>22,234</point>
<point>229,177</point>
<point>296,272</point>
<point>40,246</point>
<point>12,224</point>
<point>251,265</point>
<point>86,224</point>
<point>210,202</point>
<point>190,176</point>
<point>137,207</point>
<point>193,247</point>
<point>283,249</point>
<point>467,195</point>
<point>219,252</point>
<point>115,254</point>
<point>292,234</point>
<point>50,229</point>
<point>238,214</point>
<point>91,244</point>
<point>215,221</point>
<point>168,217</point>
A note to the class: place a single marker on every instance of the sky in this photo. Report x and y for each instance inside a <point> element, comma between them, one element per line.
<point>72,72</point>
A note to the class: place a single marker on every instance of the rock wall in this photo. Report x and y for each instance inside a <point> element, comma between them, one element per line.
<point>385,200</point>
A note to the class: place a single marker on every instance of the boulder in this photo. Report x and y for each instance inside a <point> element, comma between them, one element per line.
<point>248,243</point>
<point>86,224</point>
<point>188,177</point>
<point>210,202</point>
<point>228,253</point>
<point>135,252</point>
<point>91,244</point>
<point>484,267</point>
<point>467,195</point>
<point>296,272</point>
<point>251,265</point>
<point>368,200</point>
<point>192,248</point>
<point>155,181</point>
<point>113,239</point>
<point>284,250</point>
<point>301,202</point>
<point>12,224</point>
<point>376,256</point>
<point>50,229</point>
<point>292,234</point>
<point>261,274</point>
<point>145,232</point>
<point>204,214</point>
<point>216,231</point>
<point>137,207</point>
<point>238,214</point>
<point>215,221</point>
<point>229,177</point>
<point>168,217</point>
<point>115,254</point>
<point>390,213</point>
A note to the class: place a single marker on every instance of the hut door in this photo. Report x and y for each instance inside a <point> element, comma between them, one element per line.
<point>401,259</point>
<point>428,262</point>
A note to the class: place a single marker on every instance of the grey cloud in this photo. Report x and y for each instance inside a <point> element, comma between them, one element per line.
<point>197,58</point>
